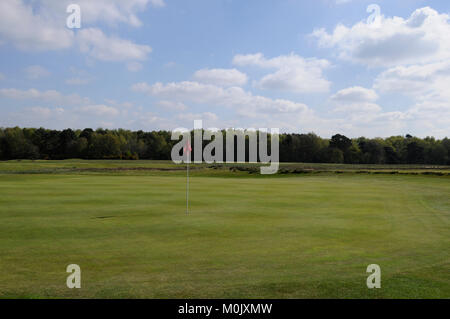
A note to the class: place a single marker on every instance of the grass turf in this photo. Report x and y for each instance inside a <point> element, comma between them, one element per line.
<point>309,236</point>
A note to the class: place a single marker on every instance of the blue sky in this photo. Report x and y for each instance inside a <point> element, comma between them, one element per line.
<point>301,66</point>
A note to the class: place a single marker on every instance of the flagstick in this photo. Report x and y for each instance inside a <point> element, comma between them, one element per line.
<point>187,184</point>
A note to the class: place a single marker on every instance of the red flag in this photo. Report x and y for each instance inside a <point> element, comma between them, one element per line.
<point>187,148</point>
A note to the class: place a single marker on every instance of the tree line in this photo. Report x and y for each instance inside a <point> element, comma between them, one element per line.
<point>31,143</point>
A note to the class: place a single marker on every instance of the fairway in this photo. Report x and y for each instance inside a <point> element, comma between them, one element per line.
<point>304,236</point>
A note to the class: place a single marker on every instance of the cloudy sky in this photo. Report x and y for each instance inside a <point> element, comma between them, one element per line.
<point>325,66</point>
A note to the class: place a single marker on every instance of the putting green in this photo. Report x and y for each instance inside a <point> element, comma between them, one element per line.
<point>309,236</point>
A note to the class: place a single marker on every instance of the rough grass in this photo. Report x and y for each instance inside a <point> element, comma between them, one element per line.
<point>111,166</point>
<point>306,236</point>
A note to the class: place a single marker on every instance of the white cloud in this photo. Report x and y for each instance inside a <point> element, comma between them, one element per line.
<point>221,77</point>
<point>45,112</point>
<point>62,111</point>
<point>244,102</point>
<point>151,121</point>
<point>99,110</point>
<point>29,94</point>
<point>36,72</point>
<point>134,66</point>
<point>192,91</point>
<point>78,81</point>
<point>417,80</point>
<point>343,1</point>
<point>372,124</point>
<point>356,100</point>
<point>110,48</point>
<point>172,105</point>
<point>355,94</point>
<point>79,77</point>
<point>47,96</point>
<point>427,85</point>
<point>2,77</point>
<point>423,37</point>
<point>250,110</point>
<point>293,73</point>
<point>253,110</point>
<point>362,107</point>
<point>41,27</point>
<point>28,30</point>
<point>206,116</point>
<point>119,105</point>
<point>108,11</point>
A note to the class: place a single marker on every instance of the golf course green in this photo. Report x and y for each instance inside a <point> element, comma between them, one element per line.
<point>246,236</point>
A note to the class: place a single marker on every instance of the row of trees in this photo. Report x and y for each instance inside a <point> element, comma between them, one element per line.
<point>310,148</point>
<point>29,143</point>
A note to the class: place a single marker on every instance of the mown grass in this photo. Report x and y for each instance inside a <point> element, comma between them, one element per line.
<point>306,236</point>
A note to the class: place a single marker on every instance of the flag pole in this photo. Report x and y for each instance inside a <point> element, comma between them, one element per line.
<point>187,149</point>
<point>187,183</point>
